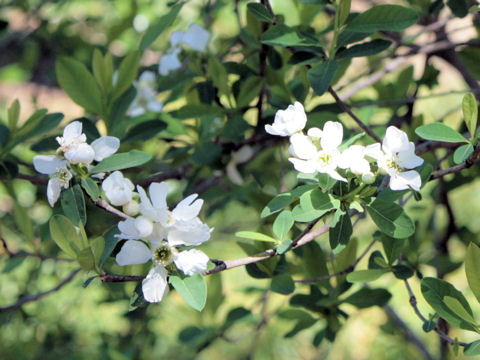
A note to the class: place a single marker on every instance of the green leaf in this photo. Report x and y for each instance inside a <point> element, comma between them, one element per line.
<point>23,221</point>
<point>252,235</point>
<point>91,188</point>
<point>459,7</point>
<point>192,289</point>
<point>89,257</point>
<point>282,284</point>
<point>102,71</point>
<point>234,129</point>
<point>79,84</point>
<point>366,297</point>
<point>13,115</point>
<point>284,246</point>
<point>472,269</point>
<point>365,49</point>
<point>121,161</point>
<point>37,124</point>
<point>470,113</point>
<point>392,248</point>
<point>402,272</point>
<point>282,224</point>
<point>193,111</point>
<point>383,17</point>
<point>455,305</point>
<point>137,300</point>
<point>439,132</point>
<point>260,12</point>
<point>145,131</point>
<point>127,73</point>
<point>283,35</point>
<point>320,77</point>
<point>282,200</point>
<point>462,153</point>
<point>65,235</point>
<point>365,275</point>
<point>219,74</point>
<point>472,349</point>
<point>249,90</point>
<point>205,153</point>
<point>4,135</point>
<point>73,204</point>
<point>110,241</point>
<point>391,219</point>
<point>344,9</point>
<point>156,29</point>
<point>435,290</point>
<point>313,204</point>
<point>341,232</point>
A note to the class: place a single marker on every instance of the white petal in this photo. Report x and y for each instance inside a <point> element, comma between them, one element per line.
<point>407,159</point>
<point>105,146</point>
<point>144,226</point>
<point>147,77</point>
<point>128,230</point>
<point>158,194</point>
<point>406,180</point>
<point>374,151</point>
<point>48,164</point>
<point>155,285</point>
<point>72,132</point>
<point>332,135</point>
<point>53,191</point>
<point>304,166</point>
<point>196,37</point>
<point>191,261</point>
<point>289,121</point>
<point>154,106</point>
<point>301,146</point>
<point>187,209</point>
<point>273,131</point>
<point>133,252</point>
<point>395,140</point>
<point>169,62</point>
<point>315,132</point>
<point>193,232</point>
<point>176,38</point>
<point>335,175</point>
<point>80,153</point>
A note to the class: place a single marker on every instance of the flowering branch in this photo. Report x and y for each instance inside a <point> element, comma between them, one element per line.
<point>457,168</point>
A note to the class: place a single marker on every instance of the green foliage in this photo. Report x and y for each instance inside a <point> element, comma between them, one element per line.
<point>391,219</point>
<point>320,77</point>
<point>383,17</point>
<point>439,132</point>
<point>192,289</point>
<point>121,161</point>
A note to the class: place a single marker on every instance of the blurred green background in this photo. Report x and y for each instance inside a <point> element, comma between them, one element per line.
<point>94,322</point>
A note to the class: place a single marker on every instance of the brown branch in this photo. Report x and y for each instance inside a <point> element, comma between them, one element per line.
<point>413,303</point>
<point>178,173</point>
<point>35,297</point>
<point>222,265</point>
<point>359,122</point>
<point>457,168</point>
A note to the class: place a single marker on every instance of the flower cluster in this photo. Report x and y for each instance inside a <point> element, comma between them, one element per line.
<point>196,37</point>
<point>74,157</point>
<point>146,98</point>
<point>318,151</point>
<point>157,234</point>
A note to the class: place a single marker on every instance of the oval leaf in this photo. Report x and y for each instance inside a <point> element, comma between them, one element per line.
<point>472,349</point>
<point>470,113</point>
<point>64,234</point>
<point>462,153</point>
<point>472,269</point>
<point>391,219</point>
<point>366,49</point>
<point>260,12</point>
<point>365,275</point>
<point>320,77</point>
<point>192,289</point>
<point>383,17</point>
<point>439,132</point>
<point>121,161</point>
<point>79,84</point>
<point>282,224</point>
<point>73,205</point>
<point>252,235</point>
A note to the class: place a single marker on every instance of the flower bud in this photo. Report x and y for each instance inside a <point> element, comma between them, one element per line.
<point>131,208</point>
<point>368,178</point>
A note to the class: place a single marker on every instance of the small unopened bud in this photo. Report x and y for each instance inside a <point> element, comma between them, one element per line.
<point>368,178</point>
<point>131,208</point>
<point>314,132</point>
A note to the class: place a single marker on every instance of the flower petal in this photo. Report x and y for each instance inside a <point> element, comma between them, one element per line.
<point>105,146</point>
<point>48,164</point>
<point>133,252</point>
<point>128,230</point>
<point>196,37</point>
<point>395,140</point>
<point>80,153</point>
<point>191,261</point>
<point>332,135</point>
<point>407,159</point>
<point>304,166</point>
<point>158,194</point>
<point>187,209</point>
<point>301,146</point>
<point>54,189</point>
<point>155,285</point>
<point>72,132</point>
<point>406,180</point>
<point>193,232</point>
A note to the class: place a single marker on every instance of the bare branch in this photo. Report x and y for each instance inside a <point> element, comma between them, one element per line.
<point>35,297</point>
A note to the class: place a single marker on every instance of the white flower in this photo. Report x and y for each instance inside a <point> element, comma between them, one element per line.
<point>104,147</point>
<point>146,98</point>
<point>169,62</point>
<point>310,159</point>
<point>155,286</point>
<point>394,156</point>
<point>353,158</point>
<point>288,122</point>
<point>182,223</point>
<point>118,189</point>
<point>196,37</point>
<point>59,175</point>
<point>72,136</point>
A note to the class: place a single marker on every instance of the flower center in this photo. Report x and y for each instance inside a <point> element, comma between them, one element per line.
<point>324,158</point>
<point>392,163</point>
<point>171,220</point>
<point>163,255</point>
<point>64,176</point>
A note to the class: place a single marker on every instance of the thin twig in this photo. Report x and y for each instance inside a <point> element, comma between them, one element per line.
<point>457,168</point>
<point>359,122</point>
<point>35,297</point>
<point>105,205</point>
